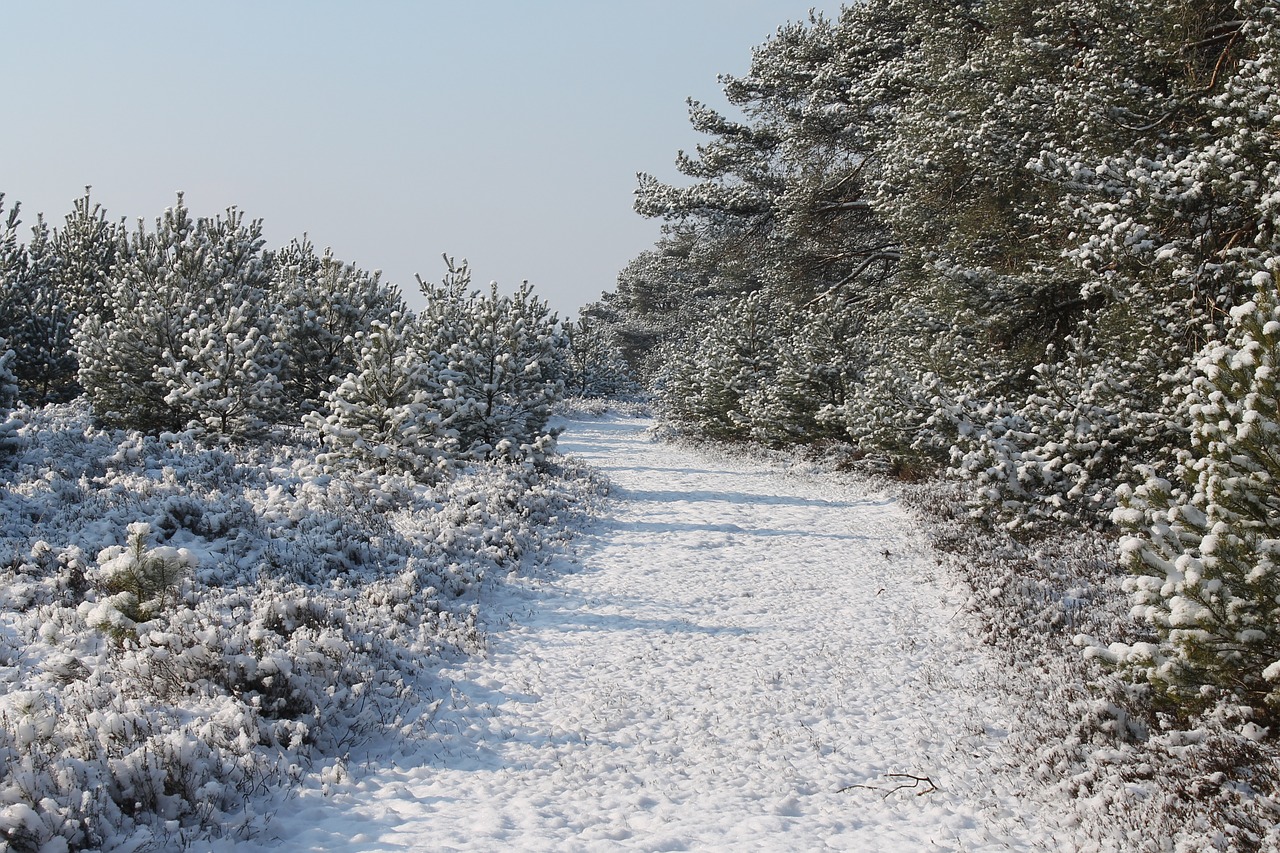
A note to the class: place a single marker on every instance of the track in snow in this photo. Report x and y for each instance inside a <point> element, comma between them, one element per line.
<point>736,649</point>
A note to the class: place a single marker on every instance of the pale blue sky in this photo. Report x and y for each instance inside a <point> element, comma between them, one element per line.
<point>505,132</point>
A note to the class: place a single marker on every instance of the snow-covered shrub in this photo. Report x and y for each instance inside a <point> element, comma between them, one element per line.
<point>811,375</point>
<point>8,398</point>
<point>8,382</point>
<point>1205,543</point>
<point>896,416</point>
<point>279,612</point>
<point>1129,778</point>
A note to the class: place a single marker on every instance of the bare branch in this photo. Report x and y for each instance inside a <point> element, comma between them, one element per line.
<point>907,781</point>
<point>843,205</point>
<point>885,255</point>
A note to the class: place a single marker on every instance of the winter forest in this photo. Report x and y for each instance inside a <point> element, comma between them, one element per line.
<point>1017,263</point>
<point>1029,250</point>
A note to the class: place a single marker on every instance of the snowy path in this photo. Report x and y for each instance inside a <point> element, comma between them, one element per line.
<point>737,648</point>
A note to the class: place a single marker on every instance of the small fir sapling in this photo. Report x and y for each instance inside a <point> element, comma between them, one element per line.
<point>140,581</point>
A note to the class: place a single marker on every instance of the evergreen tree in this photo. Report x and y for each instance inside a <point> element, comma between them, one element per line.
<point>190,341</point>
<point>120,356</point>
<point>39,325</point>
<point>1204,544</point>
<point>321,304</point>
<point>380,415</point>
<point>711,387</point>
<point>1154,175</point>
<point>88,249</point>
<point>596,367</point>
<point>12,265</point>
<point>662,297</point>
<point>33,320</point>
<point>224,377</point>
<point>504,372</point>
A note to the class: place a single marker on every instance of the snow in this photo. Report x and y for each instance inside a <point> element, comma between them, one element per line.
<point>736,656</point>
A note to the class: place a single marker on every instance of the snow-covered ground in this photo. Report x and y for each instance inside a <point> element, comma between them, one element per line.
<point>736,658</point>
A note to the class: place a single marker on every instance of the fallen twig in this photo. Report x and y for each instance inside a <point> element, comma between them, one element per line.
<point>915,782</point>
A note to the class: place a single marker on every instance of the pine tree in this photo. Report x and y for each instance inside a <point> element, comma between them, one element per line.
<point>11,265</point>
<point>1205,544</point>
<point>88,249</point>
<point>504,372</point>
<point>711,389</point>
<point>39,325</point>
<point>380,415</point>
<point>596,367</point>
<point>120,355</point>
<point>1155,169</point>
<point>224,377</point>
<point>321,304</point>
<point>190,342</point>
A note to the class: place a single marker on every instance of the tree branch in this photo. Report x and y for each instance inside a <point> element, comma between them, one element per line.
<point>883,255</point>
<point>913,783</point>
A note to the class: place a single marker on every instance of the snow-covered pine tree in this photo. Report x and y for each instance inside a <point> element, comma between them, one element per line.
<point>783,194</point>
<point>120,355</point>
<point>1083,175</point>
<point>380,417</point>
<point>225,376</point>
<point>1060,453</point>
<point>505,370</point>
<point>445,315</point>
<point>709,387</point>
<point>46,285</point>
<point>982,282</point>
<point>11,253</point>
<point>12,263</point>
<point>38,325</point>
<point>1204,545</point>
<point>820,358</point>
<point>781,202</point>
<point>663,296</point>
<point>320,306</point>
<point>189,344</point>
<point>88,248</point>
<point>596,367</point>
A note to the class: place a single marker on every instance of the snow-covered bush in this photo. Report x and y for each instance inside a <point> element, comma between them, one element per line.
<point>1205,543</point>
<point>898,417</point>
<point>266,614</point>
